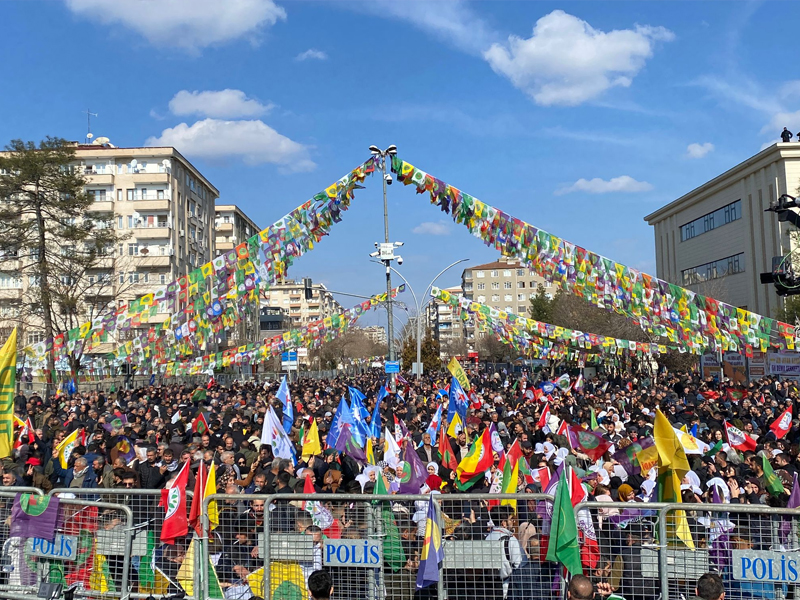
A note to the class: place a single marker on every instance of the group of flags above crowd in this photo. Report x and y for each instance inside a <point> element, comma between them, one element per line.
<point>216,296</point>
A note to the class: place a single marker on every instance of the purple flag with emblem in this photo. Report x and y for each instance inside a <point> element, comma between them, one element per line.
<point>794,502</point>
<point>34,516</point>
<point>346,443</point>
<point>414,473</point>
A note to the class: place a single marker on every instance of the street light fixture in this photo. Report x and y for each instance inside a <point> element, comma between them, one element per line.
<point>385,251</point>
<point>419,308</point>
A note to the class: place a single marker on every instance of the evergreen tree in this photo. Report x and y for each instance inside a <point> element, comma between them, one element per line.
<point>52,241</point>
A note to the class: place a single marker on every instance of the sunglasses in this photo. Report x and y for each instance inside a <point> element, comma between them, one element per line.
<point>129,484</point>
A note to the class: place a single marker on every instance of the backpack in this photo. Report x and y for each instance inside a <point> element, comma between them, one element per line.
<point>526,579</point>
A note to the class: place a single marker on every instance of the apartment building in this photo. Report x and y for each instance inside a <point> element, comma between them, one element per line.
<point>232,227</point>
<point>289,295</point>
<point>505,285</point>
<point>717,239</point>
<point>156,198</point>
<point>444,321</point>
<point>376,333</point>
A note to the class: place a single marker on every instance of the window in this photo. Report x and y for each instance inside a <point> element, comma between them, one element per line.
<point>714,270</point>
<point>133,277</point>
<point>467,287</point>
<point>119,195</point>
<point>35,337</point>
<point>506,272</point>
<point>10,282</point>
<point>481,299</point>
<point>521,285</point>
<point>520,272</point>
<point>479,274</point>
<point>495,298</point>
<point>162,278</point>
<point>66,280</point>
<point>509,309</point>
<point>120,222</point>
<point>520,297</point>
<point>713,220</point>
<point>130,195</point>
<point>495,285</point>
<point>193,232</point>
<point>481,286</point>
<point>160,194</point>
<point>494,273</point>
<point>531,296</point>
<point>507,298</point>
<point>133,249</point>
<point>506,285</point>
<point>96,195</point>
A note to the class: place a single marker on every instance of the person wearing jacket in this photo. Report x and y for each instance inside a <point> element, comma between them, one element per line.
<point>79,476</point>
<point>504,519</point>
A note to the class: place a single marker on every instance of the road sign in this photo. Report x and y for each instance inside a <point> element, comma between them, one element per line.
<point>392,366</point>
<point>417,368</point>
<point>289,360</point>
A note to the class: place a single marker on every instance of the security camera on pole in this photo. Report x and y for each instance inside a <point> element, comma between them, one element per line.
<point>386,252</point>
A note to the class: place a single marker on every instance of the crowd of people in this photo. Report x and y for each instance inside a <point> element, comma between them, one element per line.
<point>140,438</point>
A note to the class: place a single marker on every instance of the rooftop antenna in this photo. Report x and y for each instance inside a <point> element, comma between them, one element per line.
<point>89,115</point>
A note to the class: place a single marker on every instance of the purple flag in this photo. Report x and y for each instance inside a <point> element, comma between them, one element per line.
<point>719,547</point>
<point>414,473</point>
<point>347,444</point>
<point>627,456</point>
<point>794,502</point>
<point>34,516</point>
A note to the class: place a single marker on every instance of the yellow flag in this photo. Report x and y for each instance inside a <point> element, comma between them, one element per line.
<point>65,448</point>
<point>455,426</point>
<point>458,372</point>
<point>670,450</point>
<point>311,445</point>
<point>8,376</point>
<point>370,452</point>
<point>211,488</point>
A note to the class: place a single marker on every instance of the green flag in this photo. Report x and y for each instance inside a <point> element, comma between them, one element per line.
<point>714,449</point>
<point>772,482</point>
<point>594,422</point>
<point>393,552</point>
<point>199,395</point>
<point>563,544</point>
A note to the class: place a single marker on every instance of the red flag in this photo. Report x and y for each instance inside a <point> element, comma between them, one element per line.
<point>543,419</point>
<point>308,488</point>
<point>197,500</point>
<point>173,499</point>
<point>200,425</point>
<point>514,453</point>
<point>589,443</point>
<point>739,439</point>
<point>544,476</point>
<point>211,383</point>
<point>446,450</point>
<point>562,429</point>
<point>537,394</point>
<point>590,548</point>
<point>782,424</point>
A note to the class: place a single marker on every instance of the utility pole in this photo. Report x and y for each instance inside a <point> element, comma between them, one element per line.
<point>386,252</point>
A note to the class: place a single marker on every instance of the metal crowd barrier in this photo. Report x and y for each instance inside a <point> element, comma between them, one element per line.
<point>267,546</point>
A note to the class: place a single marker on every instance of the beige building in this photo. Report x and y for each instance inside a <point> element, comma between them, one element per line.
<point>717,239</point>
<point>505,285</point>
<point>232,227</point>
<point>376,333</point>
<point>164,206</point>
<point>290,296</point>
<point>448,329</point>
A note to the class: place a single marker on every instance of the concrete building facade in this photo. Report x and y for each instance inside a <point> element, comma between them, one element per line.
<point>447,327</point>
<point>505,284</point>
<point>159,201</point>
<point>717,239</point>
<point>376,333</point>
<point>289,295</point>
<point>232,227</point>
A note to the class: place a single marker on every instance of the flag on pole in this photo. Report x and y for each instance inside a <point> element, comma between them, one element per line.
<point>391,451</point>
<point>781,426</point>
<point>65,448</point>
<point>173,499</point>
<point>593,422</point>
<point>310,441</point>
<point>563,382</point>
<point>562,545</point>
<point>458,373</point>
<point>375,420</point>
<point>285,397</point>
<point>274,435</point>
<point>772,483</point>
<point>197,499</point>
<point>8,375</point>
<point>510,483</point>
<point>457,401</point>
<point>436,422</point>
<point>200,425</point>
<point>34,516</point>
<point>475,464</point>
<point>672,468</point>
<point>432,552</point>
<point>210,490</point>
<point>413,473</point>
<point>542,424</point>
<point>578,385</point>
<point>446,450</point>
<point>739,439</point>
<point>455,426</point>
<point>393,552</point>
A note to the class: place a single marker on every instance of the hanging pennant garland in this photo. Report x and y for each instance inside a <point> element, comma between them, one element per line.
<point>219,289</point>
<point>662,309</point>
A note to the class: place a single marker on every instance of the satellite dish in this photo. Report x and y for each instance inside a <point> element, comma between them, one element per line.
<point>134,162</point>
<point>101,141</point>
<point>89,135</point>
<point>165,162</point>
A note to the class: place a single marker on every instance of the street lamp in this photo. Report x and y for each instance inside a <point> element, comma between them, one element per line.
<point>419,307</point>
<point>386,250</point>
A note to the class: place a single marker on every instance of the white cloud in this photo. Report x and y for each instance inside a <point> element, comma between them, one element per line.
<point>449,20</point>
<point>187,24</point>
<point>622,184</point>
<point>567,62</point>
<point>790,120</point>
<point>223,104</point>
<point>311,54</point>
<point>699,150</point>
<point>432,228</point>
<point>253,142</point>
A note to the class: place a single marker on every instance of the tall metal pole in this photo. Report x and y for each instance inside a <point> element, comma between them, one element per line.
<point>390,329</point>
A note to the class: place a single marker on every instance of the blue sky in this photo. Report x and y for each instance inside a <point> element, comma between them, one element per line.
<point>580,118</point>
